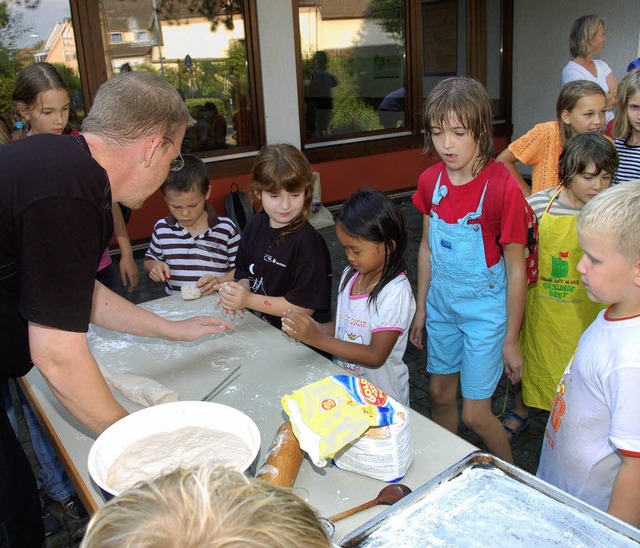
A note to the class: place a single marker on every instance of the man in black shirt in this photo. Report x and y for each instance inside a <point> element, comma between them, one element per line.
<point>56,194</point>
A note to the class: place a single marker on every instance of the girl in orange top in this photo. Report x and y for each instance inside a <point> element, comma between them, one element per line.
<point>581,108</point>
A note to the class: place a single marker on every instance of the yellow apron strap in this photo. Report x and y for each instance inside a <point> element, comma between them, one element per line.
<point>553,199</point>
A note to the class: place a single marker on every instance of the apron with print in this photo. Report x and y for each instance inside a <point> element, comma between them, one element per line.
<point>557,310</point>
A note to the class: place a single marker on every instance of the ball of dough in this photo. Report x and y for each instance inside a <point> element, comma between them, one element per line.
<point>190,292</point>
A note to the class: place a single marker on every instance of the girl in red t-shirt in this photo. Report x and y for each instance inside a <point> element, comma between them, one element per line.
<point>471,268</point>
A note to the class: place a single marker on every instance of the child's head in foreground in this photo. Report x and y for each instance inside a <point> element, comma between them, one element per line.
<point>282,185</point>
<point>187,190</point>
<point>210,506</point>
<point>608,228</point>
<point>587,165</point>
<point>460,102</point>
<point>581,107</point>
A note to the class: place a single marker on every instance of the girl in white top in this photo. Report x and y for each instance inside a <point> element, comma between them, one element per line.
<point>586,40</point>
<point>375,301</point>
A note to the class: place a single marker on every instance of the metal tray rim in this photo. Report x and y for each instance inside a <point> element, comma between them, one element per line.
<point>482,458</point>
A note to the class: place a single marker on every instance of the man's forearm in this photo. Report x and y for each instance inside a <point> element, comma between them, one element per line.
<point>70,370</point>
<point>111,311</point>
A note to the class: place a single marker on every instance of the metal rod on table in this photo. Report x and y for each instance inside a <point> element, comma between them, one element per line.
<point>219,385</point>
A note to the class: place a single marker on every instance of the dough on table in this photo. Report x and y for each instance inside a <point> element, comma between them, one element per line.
<point>141,390</point>
<point>186,447</point>
<point>190,292</point>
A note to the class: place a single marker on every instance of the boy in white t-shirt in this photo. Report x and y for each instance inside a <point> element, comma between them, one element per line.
<point>592,440</point>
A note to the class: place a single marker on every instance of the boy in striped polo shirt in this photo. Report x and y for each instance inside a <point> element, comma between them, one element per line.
<point>192,245</point>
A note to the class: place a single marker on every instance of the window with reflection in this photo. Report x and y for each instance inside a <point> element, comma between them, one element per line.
<point>466,38</point>
<point>200,48</point>
<point>366,66</point>
<point>353,67</point>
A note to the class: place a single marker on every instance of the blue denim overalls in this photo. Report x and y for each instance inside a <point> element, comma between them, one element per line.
<point>466,303</point>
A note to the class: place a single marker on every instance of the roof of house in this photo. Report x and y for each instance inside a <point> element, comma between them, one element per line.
<point>340,9</point>
<point>122,15</point>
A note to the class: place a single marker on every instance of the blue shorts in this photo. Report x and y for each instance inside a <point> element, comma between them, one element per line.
<point>466,328</point>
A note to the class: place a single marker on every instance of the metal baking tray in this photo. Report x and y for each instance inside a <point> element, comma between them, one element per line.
<point>483,501</point>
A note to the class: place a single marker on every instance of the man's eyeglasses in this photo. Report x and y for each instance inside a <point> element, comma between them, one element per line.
<point>177,163</point>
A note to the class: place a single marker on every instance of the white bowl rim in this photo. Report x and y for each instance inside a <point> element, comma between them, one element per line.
<point>120,437</point>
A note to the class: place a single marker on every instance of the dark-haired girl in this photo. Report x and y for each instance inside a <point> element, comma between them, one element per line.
<point>375,301</point>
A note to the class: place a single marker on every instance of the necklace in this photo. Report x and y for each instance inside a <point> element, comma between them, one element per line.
<point>363,291</point>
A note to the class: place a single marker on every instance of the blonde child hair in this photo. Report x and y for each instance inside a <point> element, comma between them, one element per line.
<point>618,221</point>
<point>209,506</point>
<point>629,86</point>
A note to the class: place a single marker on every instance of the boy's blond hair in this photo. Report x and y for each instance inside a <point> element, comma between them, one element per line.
<point>615,215</point>
<point>209,506</point>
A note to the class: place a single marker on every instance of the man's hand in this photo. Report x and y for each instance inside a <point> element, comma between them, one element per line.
<point>196,327</point>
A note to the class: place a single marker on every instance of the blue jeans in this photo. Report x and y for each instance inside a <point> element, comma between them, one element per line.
<point>52,477</point>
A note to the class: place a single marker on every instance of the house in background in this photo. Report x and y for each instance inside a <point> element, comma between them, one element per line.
<point>60,46</point>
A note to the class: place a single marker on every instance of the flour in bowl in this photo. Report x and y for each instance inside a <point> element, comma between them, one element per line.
<point>187,447</point>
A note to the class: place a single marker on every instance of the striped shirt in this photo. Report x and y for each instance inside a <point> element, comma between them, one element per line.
<point>191,257</point>
<point>540,200</point>
<point>629,168</point>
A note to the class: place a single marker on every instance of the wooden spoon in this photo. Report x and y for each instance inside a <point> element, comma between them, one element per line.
<point>388,495</point>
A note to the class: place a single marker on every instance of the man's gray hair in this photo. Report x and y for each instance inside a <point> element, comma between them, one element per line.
<point>134,105</point>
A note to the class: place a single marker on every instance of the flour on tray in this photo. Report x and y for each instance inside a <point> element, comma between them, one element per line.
<point>483,507</point>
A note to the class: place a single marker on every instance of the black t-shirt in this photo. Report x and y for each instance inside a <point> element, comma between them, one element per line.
<point>296,266</point>
<point>55,222</point>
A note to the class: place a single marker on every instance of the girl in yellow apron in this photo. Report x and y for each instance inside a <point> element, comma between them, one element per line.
<point>557,309</point>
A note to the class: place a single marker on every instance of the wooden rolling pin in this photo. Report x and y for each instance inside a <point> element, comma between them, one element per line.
<point>283,459</point>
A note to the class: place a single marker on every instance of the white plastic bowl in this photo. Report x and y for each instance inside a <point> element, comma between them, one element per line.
<point>166,418</point>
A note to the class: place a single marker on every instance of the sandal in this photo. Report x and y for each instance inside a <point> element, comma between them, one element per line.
<point>511,432</point>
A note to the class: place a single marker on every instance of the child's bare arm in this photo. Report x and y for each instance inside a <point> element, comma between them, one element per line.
<point>424,280</point>
<point>237,296</point>
<point>158,270</point>
<point>128,266</point>
<point>509,160</point>
<point>516,295</point>
<point>625,497</point>
<point>308,331</point>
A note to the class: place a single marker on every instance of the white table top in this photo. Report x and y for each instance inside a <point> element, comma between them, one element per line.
<point>271,365</point>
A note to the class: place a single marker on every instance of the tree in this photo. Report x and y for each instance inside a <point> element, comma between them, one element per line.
<point>216,11</point>
<point>11,27</point>
<point>389,17</point>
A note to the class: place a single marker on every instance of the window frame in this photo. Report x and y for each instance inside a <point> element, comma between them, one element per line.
<point>411,136</point>
<point>91,38</point>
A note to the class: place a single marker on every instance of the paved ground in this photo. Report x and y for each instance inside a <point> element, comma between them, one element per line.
<point>526,448</point>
